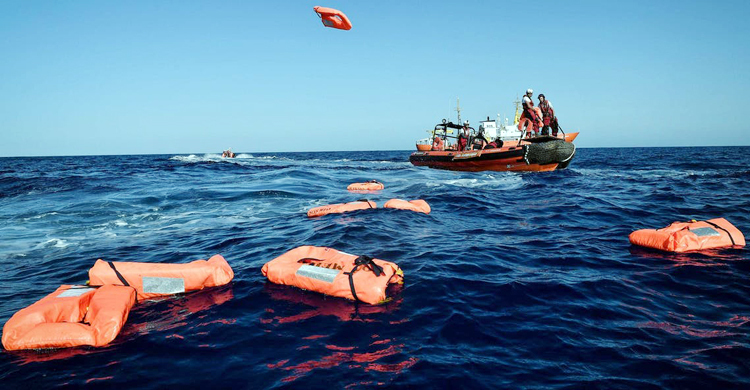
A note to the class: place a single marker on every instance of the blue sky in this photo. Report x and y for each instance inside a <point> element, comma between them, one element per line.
<point>143,77</point>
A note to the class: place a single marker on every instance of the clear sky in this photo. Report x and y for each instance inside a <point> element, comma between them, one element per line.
<point>174,77</point>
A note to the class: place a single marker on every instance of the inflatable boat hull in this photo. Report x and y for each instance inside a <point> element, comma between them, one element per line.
<point>548,155</point>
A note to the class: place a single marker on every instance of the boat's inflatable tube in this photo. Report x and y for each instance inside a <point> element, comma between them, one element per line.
<point>71,316</point>
<point>371,185</point>
<point>418,205</point>
<point>341,208</point>
<point>328,271</point>
<point>690,236</point>
<point>550,152</point>
<point>155,279</point>
<point>333,18</point>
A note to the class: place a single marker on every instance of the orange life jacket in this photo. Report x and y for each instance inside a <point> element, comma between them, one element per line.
<point>690,236</point>
<point>341,208</point>
<point>69,317</point>
<point>159,279</point>
<point>418,205</point>
<point>328,271</point>
<point>437,144</point>
<point>333,18</point>
<point>372,185</point>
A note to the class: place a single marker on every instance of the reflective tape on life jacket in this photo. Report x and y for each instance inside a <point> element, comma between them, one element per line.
<point>159,279</point>
<point>690,236</point>
<point>69,317</point>
<point>418,205</point>
<point>341,208</point>
<point>330,272</point>
<point>371,185</point>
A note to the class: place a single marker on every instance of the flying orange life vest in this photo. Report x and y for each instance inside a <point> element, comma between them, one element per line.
<point>69,317</point>
<point>372,185</point>
<point>159,279</point>
<point>341,208</point>
<point>330,272</point>
<point>333,18</point>
<point>690,236</point>
<point>418,205</point>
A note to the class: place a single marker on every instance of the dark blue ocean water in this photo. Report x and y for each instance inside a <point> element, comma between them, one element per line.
<point>515,280</point>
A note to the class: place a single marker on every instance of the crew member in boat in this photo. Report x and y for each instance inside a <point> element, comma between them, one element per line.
<point>480,141</point>
<point>497,143</point>
<point>463,137</point>
<point>531,112</point>
<point>548,116</point>
<point>438,144</point>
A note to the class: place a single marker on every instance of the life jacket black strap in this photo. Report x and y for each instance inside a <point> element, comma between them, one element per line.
<point>362,261</point>
<point>365,200</point>
<point>719,227</point>
<point>123,280</point>
<point>119,275</point>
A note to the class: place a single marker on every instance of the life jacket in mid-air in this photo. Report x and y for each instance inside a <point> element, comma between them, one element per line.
<point>690,236</point>
<point>69,317</point>
<point>331,272</point>
<point>333,18</point>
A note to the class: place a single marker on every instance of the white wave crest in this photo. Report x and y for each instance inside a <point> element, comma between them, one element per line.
<point>53,243</point>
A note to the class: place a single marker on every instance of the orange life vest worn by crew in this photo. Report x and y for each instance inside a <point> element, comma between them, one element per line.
<point>341,208</point>
<point>159,279</point>
<point>437,144</point>
<point>690,236</point>
<point>418,205</point>
<point>328,271</point>
<point>69,317</point>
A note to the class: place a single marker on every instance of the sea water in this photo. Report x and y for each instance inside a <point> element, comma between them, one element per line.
<point>514,280</point>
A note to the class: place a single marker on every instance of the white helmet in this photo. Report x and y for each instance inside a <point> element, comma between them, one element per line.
<point>529,90</point>
<point>466,123</point>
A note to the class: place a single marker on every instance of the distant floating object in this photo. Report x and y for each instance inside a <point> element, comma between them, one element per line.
<point>372,185</point>
<point>333,18</point>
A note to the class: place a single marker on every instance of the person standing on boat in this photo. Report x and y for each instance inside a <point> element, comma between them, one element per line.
<point>463,137</point>
<point>530,112</point>
<point>548,116</point>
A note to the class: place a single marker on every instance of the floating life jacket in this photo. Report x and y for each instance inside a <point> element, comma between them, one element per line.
<point>333,18</point>
<point>418,205</point>
<point>341,208</point>
<point>159,279</point>
<point>372,185</point>
<point>330,272</point>
<point>69,317</point>
<point>690,236</point>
